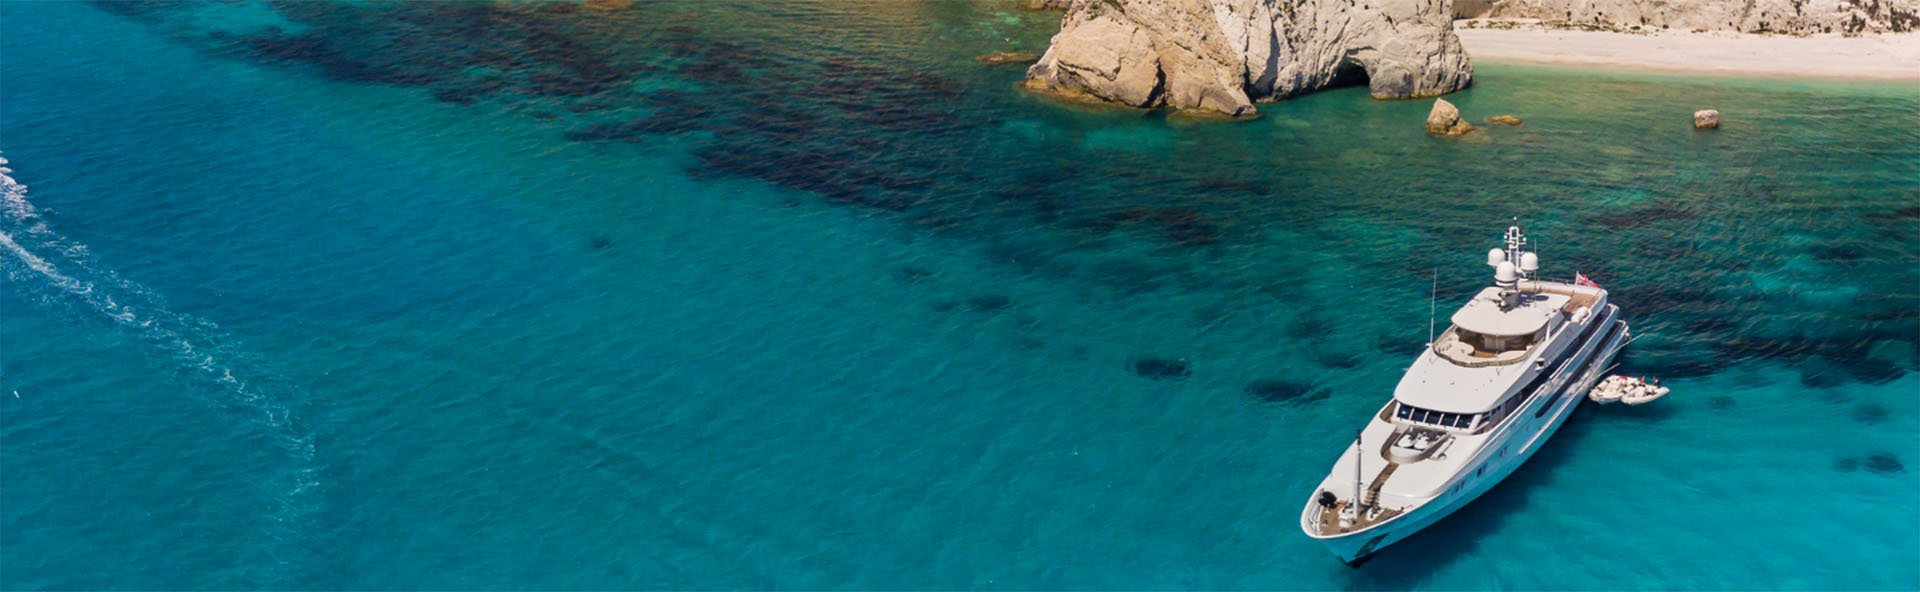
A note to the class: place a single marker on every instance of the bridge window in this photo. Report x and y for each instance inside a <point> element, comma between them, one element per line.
<point>1434,418</point>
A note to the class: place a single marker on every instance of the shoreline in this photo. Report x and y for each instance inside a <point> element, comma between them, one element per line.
<point>1882,57</point>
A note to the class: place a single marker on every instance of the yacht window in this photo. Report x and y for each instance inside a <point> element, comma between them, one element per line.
<point>1431,417</point>
<point>1494,344</point>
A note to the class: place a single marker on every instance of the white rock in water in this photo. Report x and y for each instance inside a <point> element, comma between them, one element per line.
<point>1706,119</point>
<point>1107,58</point>
<point>1221,56</point>
<point>1444,120</point>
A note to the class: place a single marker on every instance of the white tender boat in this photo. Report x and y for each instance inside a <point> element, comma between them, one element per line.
<point>1609,390</point>
<point>1475,405</point>
<point>1632,391</point>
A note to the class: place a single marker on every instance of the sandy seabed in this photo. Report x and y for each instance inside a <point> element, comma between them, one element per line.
<point>1870,57</point>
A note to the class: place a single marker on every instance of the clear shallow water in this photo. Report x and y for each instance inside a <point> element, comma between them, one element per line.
<point>391,298</point>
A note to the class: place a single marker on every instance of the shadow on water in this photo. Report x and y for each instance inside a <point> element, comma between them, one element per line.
<point>1411,562</point>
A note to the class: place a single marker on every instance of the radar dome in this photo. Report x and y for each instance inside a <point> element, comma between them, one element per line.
<point>1495,257</point>
<point>1529,262</point>
<point>1504,272</point>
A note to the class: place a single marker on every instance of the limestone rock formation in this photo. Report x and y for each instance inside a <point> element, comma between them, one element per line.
<point>1504,119</point>
<point>1706,119</point>
<point>1444,120</point>
<point>1794,17</point>
<point>1222,56</point>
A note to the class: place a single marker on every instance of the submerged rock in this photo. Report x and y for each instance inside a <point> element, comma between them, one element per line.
<point>1908,213</point>
<point>1222,56</point>
<point>1884,463</point>
<point>1285,391</point>
<point>989,302</point>
<point>1657,213</point>
<point>911,274</point>
<point>1444,120</point>
<point>1706,119</point>
<point>1160,368</point>
<point>1870,413</point>
<point>1007,57</point>
<point>1504,119</point>
<point>1342,360</point>
<point>1841,253</point>
<point>1045,4</point>
<point>1821,373</point>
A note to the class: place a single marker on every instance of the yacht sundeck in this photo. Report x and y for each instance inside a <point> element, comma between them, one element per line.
<point>1480,400</point>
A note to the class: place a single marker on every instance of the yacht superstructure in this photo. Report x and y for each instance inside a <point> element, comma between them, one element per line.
<point>1480,400</point>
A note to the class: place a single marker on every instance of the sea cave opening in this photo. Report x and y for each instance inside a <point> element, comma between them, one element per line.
<point>1349,73</point>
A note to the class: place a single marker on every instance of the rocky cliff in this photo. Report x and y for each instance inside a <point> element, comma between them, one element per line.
<point>1794,17</point>
<point>1222,56</point>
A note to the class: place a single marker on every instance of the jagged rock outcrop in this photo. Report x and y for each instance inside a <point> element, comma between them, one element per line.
<point>1794,17</point>
<point>1222,56</point>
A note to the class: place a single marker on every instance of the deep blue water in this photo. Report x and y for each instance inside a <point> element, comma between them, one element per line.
<point>731,295</point>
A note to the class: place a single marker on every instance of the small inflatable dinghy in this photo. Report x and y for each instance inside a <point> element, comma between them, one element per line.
<point>1609,390</point>
<point>1642,392</point>
<point>1626,389</point>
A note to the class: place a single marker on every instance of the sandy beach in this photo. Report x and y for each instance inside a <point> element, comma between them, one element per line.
<point>1872,57</point>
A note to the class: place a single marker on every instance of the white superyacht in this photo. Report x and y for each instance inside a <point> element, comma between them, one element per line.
<point>1480,400</point>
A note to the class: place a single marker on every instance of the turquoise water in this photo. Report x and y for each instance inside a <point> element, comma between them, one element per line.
<point>729,295</point>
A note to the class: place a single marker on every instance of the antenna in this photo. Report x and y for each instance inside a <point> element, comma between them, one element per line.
<point>1433,305</point>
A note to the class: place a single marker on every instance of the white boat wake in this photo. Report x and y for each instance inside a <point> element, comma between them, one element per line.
<point>60,273</point>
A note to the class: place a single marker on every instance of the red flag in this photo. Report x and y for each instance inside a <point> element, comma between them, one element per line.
<point>1580,279</point>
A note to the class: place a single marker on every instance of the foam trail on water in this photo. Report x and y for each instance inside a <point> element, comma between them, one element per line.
<point>62,273</point>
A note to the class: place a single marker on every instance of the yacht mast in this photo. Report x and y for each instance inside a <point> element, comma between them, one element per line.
<point>1358,496</point>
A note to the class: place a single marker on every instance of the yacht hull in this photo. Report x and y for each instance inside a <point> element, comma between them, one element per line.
<point>1559,404</point>
<point>1356,548</point>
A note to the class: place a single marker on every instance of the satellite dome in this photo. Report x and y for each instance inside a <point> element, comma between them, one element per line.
<point>1529,262</point>
<point>1495,257</point>
<point>1504,272</point>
